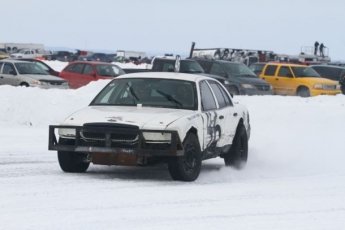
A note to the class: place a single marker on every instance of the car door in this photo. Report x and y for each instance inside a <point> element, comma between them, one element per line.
<point>285,81</point>
<point>89,74</point>
<point>222,114</point>
<point>210,117</point>
<point>268,75</point>
<point>73,74</point>
<point>8,75</point>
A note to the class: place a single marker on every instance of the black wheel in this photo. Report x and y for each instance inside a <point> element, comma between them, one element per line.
<point>238,153</point>
<point>24,84</point>
<point>303,92</point>
<point>188,166</point>
<point>70,161</point>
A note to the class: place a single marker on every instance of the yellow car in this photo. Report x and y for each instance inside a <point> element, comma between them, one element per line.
<point>3,55</point>
<point>300,80</point>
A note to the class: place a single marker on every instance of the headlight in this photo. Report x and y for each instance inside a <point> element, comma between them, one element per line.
<point>338,87</point>
<point>156,136</point>
<point>65,83</point>
<point>318,86</point>
<point>226,82</point>
<point>40,83</point>
<point>247,86</point>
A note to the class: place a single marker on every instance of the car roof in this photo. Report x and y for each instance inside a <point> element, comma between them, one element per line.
<point>165,75</point>
<point>218,61</point>
<point>14,61</point>
<point>287,64</point>
<point>329,66</point>
<point>91,62</point>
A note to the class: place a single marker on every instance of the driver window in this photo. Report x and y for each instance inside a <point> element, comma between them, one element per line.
<point>218,70</point>
<point>284,71</point>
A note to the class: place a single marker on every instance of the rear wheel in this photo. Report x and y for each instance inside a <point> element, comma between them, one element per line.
<point>238,153</point>
<point>71,162</point>
<point>188,166</point>
<point>24,84</point>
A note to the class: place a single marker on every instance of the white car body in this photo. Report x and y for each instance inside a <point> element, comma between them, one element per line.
<point>138,119</point>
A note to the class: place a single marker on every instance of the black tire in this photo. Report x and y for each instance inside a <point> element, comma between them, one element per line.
<point>188,166</point>
<point>238,153</point>
<point>303,92</point>
<point>70,161</point>
<point>24,84</point>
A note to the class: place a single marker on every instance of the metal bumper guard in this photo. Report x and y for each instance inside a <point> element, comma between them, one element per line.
<point>86,147</point>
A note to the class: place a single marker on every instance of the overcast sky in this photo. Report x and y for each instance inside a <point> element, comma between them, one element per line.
<point>283,26</point>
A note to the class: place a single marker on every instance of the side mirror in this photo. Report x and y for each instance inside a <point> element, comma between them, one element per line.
<point>12,72</point>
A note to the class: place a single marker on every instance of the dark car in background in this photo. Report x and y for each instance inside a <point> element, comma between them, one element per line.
<point>81,73</point>
<point>102,57</point>
<point>240,80</point>
<point>64,56</point>
<point>332,72</point>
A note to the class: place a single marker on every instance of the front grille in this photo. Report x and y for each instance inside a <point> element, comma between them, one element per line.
<point>262,87</point>
<point>329,87</point>
<point>116,137</point>
<point>52,82</point>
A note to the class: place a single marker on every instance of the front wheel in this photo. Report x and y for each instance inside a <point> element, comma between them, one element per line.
<point>303,92</point>
<point>72,162</point>
<point>238,154</point>
<point>188,166</point>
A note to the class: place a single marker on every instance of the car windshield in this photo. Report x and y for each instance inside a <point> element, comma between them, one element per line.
<point>30,68</point>
<point>239,70</point>
<point>190,67</point>
<point>302,71</point>
<point>109,70</point>
<point>150,92</point>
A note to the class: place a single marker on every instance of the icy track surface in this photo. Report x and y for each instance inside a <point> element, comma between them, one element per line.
<point>294,178</point>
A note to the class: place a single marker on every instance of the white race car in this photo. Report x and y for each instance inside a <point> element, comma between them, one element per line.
<point>149,118</point>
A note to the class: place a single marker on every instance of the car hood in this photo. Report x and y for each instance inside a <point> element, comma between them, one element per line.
<point>43,77</point>
<point>317,80</point>
<point>252,80</point>
<point>143,117</point>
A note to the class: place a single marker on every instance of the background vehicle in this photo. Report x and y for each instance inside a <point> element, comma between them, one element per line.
<point>300,80</point>
<point>80,73</point>
<point>28,53</point>
<point>3,55</point>
<point>331,72</point>
<point>15,47</point>
<point>42,64</point>
<point>239,78</point>
<point>102,57</point>
<point>128,54</point>
<point>61,56</point>
<point>150,118</point>
<point>257,67</point>
<point>23,73</point>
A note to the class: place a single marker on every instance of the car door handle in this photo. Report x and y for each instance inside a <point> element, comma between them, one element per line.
<point>277,79</point>
<point>235,114</point>
<point>221,117</point>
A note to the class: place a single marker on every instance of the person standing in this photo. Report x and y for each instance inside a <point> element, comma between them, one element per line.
<point>316,45</point>
<point>321,50</point>
<point>342,83</point>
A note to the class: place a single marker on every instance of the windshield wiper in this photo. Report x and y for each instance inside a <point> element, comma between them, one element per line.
<point>132,92</point>
<point>170,98</point>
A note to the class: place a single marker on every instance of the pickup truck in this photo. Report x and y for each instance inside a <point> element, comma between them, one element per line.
<point>63,56</point>
<point>28,53</point>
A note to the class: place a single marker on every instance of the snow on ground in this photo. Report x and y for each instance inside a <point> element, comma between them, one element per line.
<point>294,178</point>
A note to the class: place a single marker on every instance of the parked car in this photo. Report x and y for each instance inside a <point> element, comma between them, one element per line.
<point>81,73</point>
<point>331,72</point>
<point>102,57</point>
<point>300,80</point>
<point>240,79</point>
<point>3,55</point>
<point>64,56</point>
<point>24,73</point>
<point>144,119</point>
<point>44,65</point>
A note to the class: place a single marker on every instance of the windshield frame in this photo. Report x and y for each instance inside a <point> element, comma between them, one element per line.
<point>310,73</point>
<point>124,92</point>
<point>241,71</point>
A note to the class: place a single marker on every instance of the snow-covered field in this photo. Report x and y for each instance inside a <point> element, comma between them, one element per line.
<point>294,178</point>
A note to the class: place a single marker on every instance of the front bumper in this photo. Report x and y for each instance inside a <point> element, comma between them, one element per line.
<point>317,92</point>
<point>114,140</point>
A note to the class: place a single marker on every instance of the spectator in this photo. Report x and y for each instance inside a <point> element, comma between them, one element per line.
<point>316,45</point>
<point>321,50</point>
